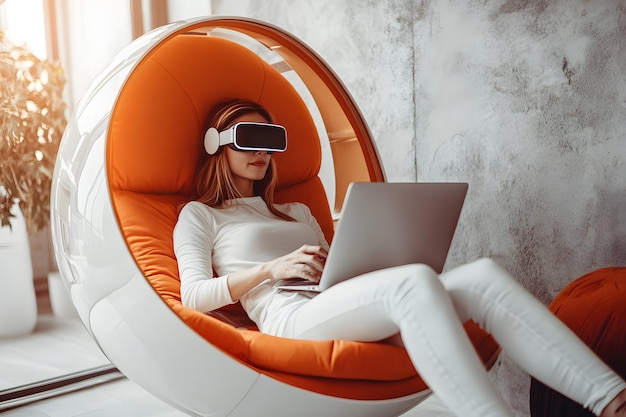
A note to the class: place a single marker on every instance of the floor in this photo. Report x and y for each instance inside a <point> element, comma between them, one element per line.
<point>62,346</point>
<point>59,371</point>
<point>55,348</point>
<point>122,398</point>
<point>119,398</point>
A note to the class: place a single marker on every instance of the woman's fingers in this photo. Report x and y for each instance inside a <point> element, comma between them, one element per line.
<point>305,271</point>
<point>307,262</point>
<point>315,255</point>
<point>314,250</point>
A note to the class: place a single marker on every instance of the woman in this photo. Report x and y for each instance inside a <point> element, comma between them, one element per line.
<point>235,229</point>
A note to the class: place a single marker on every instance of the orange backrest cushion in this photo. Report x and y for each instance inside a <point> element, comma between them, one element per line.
<point>156,125</point>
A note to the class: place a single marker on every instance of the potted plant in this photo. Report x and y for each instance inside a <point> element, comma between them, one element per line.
<point>32,121</point>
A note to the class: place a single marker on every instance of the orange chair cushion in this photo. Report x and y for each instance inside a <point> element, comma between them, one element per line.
<point>153,150</point>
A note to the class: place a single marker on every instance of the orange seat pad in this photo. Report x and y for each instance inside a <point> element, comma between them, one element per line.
<point>347,369</point>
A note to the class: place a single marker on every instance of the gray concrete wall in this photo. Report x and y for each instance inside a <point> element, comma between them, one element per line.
<point>523,99</point>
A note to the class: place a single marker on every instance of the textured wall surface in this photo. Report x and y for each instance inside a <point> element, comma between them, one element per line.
<point>523,99</point>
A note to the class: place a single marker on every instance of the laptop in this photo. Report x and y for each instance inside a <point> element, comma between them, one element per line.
<point>383,225</point>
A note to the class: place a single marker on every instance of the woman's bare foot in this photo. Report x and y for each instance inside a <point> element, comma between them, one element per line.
<point>617,407</point>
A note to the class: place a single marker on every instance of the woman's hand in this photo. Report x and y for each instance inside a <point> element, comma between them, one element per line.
<point>307,262</point>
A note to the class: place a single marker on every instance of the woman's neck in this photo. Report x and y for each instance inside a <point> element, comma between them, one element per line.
<point>245,187</point>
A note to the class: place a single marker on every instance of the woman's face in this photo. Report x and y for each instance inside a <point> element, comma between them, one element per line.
<point>247,166</point>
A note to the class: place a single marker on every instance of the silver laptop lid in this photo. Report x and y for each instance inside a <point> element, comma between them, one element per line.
<point>391,224</point>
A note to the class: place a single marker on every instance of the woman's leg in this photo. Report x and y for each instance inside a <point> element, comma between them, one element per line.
<point>530,334</point>
<point>412,300</point>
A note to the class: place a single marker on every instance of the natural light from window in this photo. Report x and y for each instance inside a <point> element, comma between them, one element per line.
<point>22,21</point>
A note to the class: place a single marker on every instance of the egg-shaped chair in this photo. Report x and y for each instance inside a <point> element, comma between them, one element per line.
<point>127,163</point>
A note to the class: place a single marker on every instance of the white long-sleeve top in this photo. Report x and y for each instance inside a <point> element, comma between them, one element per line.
<point>236,237</point>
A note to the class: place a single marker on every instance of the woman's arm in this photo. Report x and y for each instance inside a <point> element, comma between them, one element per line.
<point>307,262</point>
<point>193,244</point>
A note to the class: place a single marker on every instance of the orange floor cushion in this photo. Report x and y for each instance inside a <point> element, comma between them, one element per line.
<point>594,307</point>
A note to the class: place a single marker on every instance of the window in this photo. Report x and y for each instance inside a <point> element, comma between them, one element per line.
<point>24,23</point>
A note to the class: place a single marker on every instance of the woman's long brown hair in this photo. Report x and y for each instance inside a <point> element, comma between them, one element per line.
<point>215,184</point>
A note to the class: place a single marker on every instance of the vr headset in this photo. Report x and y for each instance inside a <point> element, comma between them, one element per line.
<point>247,136</point>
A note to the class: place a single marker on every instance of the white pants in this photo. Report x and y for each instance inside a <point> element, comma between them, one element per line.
<point>428,311</point>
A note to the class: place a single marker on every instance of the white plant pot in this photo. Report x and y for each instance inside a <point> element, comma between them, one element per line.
<point>18,302</point>
<point>60,299</point>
